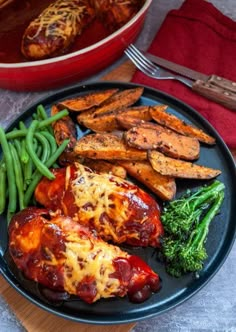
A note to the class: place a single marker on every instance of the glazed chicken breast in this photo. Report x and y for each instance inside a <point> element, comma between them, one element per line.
<point>116,209</point>
<point>115,13</point>
<point>63,255</point>
<point>55,29</point>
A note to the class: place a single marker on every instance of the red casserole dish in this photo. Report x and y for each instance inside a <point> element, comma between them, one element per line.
<point>72,67</point>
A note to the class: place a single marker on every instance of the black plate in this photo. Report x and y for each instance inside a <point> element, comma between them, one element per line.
<point>174,291</point>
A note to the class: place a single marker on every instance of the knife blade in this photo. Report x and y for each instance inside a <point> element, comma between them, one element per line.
<point>213,87</point>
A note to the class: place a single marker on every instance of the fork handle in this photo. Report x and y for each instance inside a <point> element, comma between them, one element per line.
<point>218,89</point>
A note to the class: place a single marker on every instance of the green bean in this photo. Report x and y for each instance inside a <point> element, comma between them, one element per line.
<point>18,176</point>
<point>37,175</point>
<point>29,139</point>
<point>35,143</point>
<point>44,123</point>
<point>23,168</point>
<point>46,151</point>
<point>3,186</point>
<point>41,112</point>
<point>43,115</point>
<point>24,154</point>
<point>22,126</point>
<point>53,118</point>
<point>29,166</point>
<point>28,171</point>
<point>17,146</point>
<point>10,172</point>
<point>51,140</point>
<point>39,151</point>
<point>16,134</point>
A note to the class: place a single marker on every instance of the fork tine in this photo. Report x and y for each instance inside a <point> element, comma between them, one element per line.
<point>151,69</point>
<point>139,63</point>
<point>142,57</point>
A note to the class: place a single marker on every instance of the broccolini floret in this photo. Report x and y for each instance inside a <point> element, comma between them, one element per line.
<point>184,251</point>
<point>180,215</point>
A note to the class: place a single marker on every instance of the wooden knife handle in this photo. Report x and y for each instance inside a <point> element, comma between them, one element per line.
<point>218,89</point>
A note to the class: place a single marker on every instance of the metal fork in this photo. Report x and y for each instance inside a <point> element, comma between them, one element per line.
<point>151,69</point>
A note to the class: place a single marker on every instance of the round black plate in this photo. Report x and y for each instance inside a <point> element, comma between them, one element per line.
<point>174,291</point>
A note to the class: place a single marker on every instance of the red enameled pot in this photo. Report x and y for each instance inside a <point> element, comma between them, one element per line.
<point>70,68</point>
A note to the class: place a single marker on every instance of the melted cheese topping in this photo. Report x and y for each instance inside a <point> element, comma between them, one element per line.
<point>102,199</point>
<point>60,19</point>
<point>88,258</point>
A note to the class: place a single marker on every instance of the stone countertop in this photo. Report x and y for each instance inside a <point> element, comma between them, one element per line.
<point>214,307</point>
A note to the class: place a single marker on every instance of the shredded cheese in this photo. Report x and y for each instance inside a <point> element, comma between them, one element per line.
<point>86,258</point>
<point>60,19</point>
<point>102,199</point>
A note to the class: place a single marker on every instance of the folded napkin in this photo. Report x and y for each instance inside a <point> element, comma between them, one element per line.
<point>200,37</point>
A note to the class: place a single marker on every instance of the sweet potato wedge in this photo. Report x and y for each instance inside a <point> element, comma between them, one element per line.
<point>107,147</point>
<point>102,166</point>
<point>179,168</point>
<point>85,102</point>
<point>107,122</point>
<point>161,185</point>
<point>164,140</point>
<point>63,129</point>
<point>171,121</point>
<point>127,121</point>
<point>119,100</point>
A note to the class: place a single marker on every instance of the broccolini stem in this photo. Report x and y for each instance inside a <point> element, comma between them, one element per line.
<point>206,193</point>
<point>203,228</point>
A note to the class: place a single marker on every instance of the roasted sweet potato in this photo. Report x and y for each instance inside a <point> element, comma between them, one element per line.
<point>179,168</point>
<point>85,102</point>
<point>63,129</point>
<point>129,120</point>
<point>166,141</point>
<point>107,122</point>
<point>107,147</point>
<point>171,121</point>
<point>119,100</point>
<point>163,186</point>
<point>102,166</point>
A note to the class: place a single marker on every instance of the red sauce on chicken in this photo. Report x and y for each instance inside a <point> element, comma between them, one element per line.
<point>117,210</point>
<point>65,256</point>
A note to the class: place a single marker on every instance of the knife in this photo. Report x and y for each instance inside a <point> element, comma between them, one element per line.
<point>213,87</point>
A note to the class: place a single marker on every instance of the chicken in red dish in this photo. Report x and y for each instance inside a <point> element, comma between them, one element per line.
<point>115,13</point>
<point>54,30</point>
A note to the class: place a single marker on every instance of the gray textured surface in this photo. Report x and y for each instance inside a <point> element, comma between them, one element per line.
<point>214,307</point>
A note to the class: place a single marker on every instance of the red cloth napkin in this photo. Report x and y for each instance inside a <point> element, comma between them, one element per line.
<point>200,37</point>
